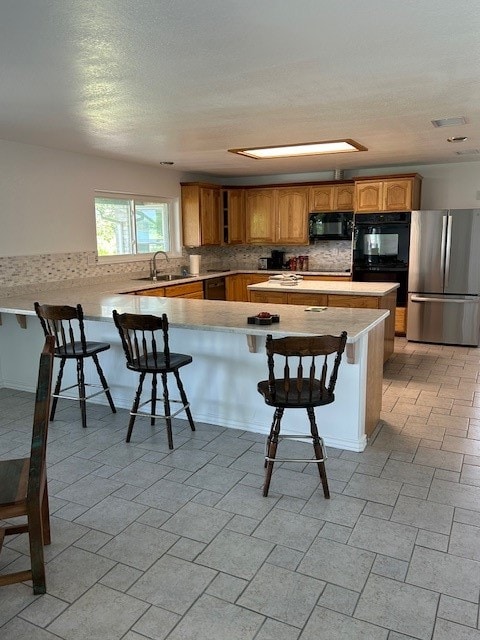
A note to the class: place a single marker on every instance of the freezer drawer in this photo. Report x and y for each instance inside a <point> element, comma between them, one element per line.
<point>443,319</point>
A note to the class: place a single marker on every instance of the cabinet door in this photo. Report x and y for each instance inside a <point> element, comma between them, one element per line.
<point>368,196</point>
<point>210,215</point>
<point>321,198</point>
<point>236,216</point>
<point>397,195</point>
<point>260,216</point>
<point>233,288</point>
<point>292,214</point>
<point>343,197</point>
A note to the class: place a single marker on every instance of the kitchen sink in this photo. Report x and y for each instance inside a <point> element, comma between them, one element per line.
<point>164,277</point>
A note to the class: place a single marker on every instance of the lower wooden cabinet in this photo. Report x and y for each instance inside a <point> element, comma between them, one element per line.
<point>236,285</point>
<point>400,321</point>
<point>187,290</point>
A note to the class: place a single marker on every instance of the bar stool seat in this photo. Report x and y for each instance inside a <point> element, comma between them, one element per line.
<point>299,388</point>
<point>67,326</point>
<point>144,354</point>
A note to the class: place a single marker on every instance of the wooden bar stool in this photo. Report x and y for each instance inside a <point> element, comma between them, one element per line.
<point>23,484</point>
<point>66,325</point>
<point>139,340</point>
<point>300,389</point>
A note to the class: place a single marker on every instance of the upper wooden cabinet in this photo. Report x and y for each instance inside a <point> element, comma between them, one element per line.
<point>331,197</point>
<point>201,214</point>
<point>234,216</point>
<point>400,193</point>
<point>277,216</point>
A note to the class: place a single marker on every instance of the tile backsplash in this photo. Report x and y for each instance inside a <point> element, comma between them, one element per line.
<point>19,274</point>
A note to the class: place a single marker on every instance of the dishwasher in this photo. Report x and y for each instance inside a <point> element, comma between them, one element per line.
<point>214,289</point>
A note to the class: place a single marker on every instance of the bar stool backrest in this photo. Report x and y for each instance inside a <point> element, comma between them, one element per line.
<point>139,339</point>
<point>66,325</point>
<point>299,376</point>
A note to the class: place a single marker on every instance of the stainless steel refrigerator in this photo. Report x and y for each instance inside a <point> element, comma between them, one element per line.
<point>444,277</point>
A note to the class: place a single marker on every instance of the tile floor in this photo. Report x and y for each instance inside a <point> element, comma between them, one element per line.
<point>181,545</point>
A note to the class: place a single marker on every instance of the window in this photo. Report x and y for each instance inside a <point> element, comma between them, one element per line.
<point>128,225</point>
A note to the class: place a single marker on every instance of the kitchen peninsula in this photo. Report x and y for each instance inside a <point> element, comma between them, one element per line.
<point>286,289</point>
<point>228,355</point>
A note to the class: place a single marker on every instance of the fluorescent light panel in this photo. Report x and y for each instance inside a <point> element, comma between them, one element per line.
<point>449,122</point>
<point>303,149</point>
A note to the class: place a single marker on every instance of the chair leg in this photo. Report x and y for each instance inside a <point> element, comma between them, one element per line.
<point>81,391</point>
<point>153,405</point>
<point>166,404</point>
<point>46,516</point>
<point>36,550</point>
<point>104,383</point>
<point>319,452</point>
<point>272,444</point>
<point>58,385</point>
<point>134,409</point>
<point>184,398</point>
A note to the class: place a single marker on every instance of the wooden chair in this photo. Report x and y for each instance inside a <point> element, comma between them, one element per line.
<point>139,340</point>
<point>66,325</point>
<point>300,388</point>
<point>23,483</point>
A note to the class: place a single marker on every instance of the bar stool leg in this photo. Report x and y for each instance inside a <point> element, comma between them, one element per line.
<point>166,404</point>
<point>81,391</point>
<point>272,448</point>
<point>104,383</point>
<point>184,398</point>
<point>134,409</point>
<point>319,452</point>
<point>153,404</point>
<point>58,385</point>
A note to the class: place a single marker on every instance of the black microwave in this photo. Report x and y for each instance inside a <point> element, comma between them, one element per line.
<point>330,226</point>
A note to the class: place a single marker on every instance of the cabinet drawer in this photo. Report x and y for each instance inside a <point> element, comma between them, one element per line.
<point>183,289</point>
<point>159,291</point>
<point>274,297</point>
<point>308,299</point>
<point>365,302</point>
<point>196,295</point>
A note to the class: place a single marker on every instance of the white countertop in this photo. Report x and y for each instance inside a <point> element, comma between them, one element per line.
<point>342,288</point>
<point>99,300</point>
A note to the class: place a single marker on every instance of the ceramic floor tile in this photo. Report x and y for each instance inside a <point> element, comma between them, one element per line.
<point>214,619</point>
<point>451,575</point>
<point>104,612</point>
<point>282,595</point>
<point>289,529</point>
<point>324,623</point>
<point>398,606</point>
<point>338,563</point>
<point>382,536</point>
<point>172,583</point>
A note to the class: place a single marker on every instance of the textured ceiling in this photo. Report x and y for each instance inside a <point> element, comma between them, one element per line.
<point>183,81</point>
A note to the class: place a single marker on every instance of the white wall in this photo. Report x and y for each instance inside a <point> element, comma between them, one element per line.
<point>46,196</point>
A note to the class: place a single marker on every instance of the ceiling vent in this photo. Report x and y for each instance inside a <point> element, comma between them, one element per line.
<point>449,122</point>
<point>468,152</point>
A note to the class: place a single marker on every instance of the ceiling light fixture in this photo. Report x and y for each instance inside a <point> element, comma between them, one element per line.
<point>457,139</point>
<point>449,122</point>
<point>303,149</point>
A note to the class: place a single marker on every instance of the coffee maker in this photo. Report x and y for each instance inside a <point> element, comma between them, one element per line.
<point>277,259</point>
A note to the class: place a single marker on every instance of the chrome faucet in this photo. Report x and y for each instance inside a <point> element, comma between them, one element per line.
<point>153,264</point>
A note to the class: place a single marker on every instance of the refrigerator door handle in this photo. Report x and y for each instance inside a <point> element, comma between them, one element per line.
<point>459,300</point>
<point>448,250</point>
<point>443,243</point>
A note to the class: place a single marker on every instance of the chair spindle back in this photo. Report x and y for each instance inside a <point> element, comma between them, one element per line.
<point>65,324</point>
<point>139,339</point>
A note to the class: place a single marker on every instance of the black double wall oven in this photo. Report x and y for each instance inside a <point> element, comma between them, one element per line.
<point>381,243</point>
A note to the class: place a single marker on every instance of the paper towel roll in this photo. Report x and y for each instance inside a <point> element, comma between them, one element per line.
<point>195,265</point>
